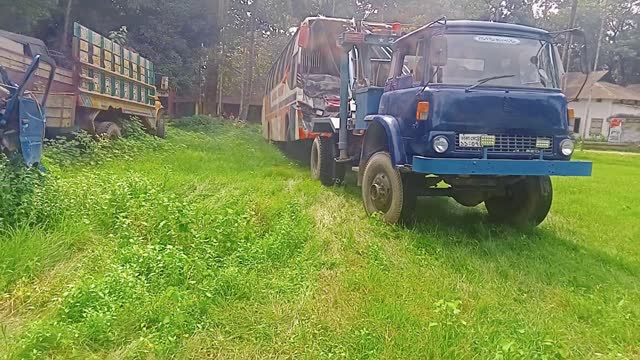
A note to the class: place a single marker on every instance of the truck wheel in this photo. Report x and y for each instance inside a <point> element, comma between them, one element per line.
<point>160,127</point>
<point>323,164</point>
<point>526,202</point>
<point>108,129</point>
<point>385,191</point>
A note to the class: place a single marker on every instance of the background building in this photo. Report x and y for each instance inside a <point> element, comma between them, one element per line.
<point>612,113</point>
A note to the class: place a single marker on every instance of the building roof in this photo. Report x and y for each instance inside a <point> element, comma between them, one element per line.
<point>599,89</point>
<point>634,87</point>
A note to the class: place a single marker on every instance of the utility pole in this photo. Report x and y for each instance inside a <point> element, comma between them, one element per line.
<point>587,117</point>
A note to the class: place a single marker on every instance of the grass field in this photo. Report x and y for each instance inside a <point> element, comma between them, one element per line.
<point>212,244</point>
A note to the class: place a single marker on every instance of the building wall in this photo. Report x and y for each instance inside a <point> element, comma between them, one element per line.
<point>604,110</point>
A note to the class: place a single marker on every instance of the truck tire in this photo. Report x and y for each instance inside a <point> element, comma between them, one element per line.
<point>526,202</point>
<point>386,191</point>
<point>108,129</point>
<point>323,164</point>
<point>160,127</point>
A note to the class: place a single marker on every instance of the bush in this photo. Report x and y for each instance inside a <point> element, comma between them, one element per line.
<point>19,186</point>
<point>30,196</point>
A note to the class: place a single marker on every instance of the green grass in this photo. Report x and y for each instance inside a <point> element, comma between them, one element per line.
<point>212,244</point>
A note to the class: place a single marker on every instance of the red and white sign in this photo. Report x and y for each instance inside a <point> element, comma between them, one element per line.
<point>615,130</point>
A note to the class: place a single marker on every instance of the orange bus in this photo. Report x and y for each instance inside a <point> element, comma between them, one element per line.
<point>304,82</point>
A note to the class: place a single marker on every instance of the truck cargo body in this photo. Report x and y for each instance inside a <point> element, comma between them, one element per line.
<point>104,82</point>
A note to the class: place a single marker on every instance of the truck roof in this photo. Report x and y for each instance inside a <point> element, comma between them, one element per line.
<point>22,39</point>
<point>488,25</point>
<point>472,26</point>
<point>344,21</point>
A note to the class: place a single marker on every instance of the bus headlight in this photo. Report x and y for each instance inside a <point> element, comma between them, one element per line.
<point>567,147</point>
<point>440,144</point>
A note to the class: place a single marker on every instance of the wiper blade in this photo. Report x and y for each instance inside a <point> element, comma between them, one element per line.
<point>486,80</point>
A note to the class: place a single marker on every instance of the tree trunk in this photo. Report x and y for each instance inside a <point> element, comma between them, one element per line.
<point>64,40</point>
<point>222,9</point>
<point>600,35</point>
<point>567,44</point>
<point>246,90</point>
<point>243,85</point>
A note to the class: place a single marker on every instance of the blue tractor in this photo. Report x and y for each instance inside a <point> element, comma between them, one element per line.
<point>471,110</point>
<point>22,118</point>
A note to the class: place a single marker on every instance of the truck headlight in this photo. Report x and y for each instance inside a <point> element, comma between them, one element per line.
<point>440,144</point>
<point>567,147</point>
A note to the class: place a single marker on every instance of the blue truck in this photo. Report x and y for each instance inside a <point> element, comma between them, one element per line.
<point>471,110</point>
<point>22,115</point>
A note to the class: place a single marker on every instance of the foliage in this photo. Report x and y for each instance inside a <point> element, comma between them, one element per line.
<point>84,149</point>
<point>19,186</point>
<point>183,37</point>
<point>25,16</point>
<point>212,242</point>
<point>169,33</point>
<point>119,36</point>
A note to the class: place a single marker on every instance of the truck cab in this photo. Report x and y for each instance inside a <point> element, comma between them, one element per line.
<point>475,82</point>
<point>471,110</point>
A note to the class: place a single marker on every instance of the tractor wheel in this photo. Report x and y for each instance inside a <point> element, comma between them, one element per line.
<point>108,129</point>
<point>526,202</point>
<point>386,191</point>
<point>160,127</point>
<point>323,164</point>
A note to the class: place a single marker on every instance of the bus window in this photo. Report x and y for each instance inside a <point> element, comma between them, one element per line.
<point>293,74</point>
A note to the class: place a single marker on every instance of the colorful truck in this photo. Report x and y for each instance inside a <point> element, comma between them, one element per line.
<point>101,83</point>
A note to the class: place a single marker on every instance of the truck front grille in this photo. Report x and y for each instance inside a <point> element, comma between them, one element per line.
<point>512,144</point>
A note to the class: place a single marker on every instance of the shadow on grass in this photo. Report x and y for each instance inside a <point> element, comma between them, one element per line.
<point>548,253</point>
<point>298,152</point>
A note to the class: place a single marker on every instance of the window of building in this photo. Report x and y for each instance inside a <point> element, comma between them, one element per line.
<point>576,125</point>
<point>596,127</point>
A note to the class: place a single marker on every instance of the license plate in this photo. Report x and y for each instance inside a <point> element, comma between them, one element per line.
<point>470,140</point>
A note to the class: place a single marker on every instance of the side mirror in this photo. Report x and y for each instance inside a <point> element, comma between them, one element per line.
<point>438,51</point>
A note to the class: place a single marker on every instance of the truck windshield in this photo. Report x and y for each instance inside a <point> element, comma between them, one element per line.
<point>472,58</point>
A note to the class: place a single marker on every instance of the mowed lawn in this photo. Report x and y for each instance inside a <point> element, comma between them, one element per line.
<point>212,244</point>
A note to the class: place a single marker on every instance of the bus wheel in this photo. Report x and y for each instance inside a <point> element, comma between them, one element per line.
<point>323,164</point>
<point>526,202</point>
<point>385,191</point>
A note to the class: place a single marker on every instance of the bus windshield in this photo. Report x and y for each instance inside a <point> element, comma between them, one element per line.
<point>514,62</point>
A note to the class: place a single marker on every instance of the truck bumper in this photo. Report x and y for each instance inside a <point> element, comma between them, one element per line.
<point>501,167</point>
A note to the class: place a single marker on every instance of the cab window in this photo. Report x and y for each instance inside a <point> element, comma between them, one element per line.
<point>414,63</point>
